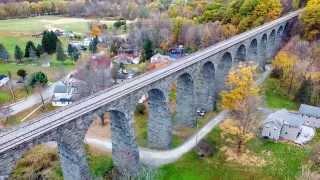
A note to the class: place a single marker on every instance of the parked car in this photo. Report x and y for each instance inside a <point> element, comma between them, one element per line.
<point>201,112</point>
<point>3,80</point>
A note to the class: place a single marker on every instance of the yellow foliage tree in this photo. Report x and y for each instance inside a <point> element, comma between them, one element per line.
<point>311,19</point>
<point>95,30</point>
<point>242,99</point>
<point>287,64</point>
<point>268,9</point>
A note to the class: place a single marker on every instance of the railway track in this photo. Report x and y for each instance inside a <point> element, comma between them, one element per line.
<point>52,120</point>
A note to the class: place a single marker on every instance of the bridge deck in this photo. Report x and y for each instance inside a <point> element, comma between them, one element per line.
<point>61,116</point>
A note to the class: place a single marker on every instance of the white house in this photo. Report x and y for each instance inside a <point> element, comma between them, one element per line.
<point>62,95</point>
<point>3,80</point>
<point>159,58</point>
<point>310,115</point>
<point>288,126</point>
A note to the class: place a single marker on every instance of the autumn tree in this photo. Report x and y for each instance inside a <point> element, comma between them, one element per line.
<point>242,99</point>
<point>95,29</point>
<point>311,19</point>
<point>287,64</point>
<point>10,86</point>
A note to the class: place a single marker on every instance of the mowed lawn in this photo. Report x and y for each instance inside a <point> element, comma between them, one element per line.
<point>41,23</point>
<point>19,31</point>
<point>283,161</point>
<point>276,97</point>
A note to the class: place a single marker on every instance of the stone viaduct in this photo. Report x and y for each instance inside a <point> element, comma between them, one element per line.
<point>198,77</point>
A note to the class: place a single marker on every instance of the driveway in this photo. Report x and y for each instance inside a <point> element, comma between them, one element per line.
<point>31,101</point>
<point>156,157</point>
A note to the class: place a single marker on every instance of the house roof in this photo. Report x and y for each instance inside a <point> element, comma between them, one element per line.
<point>310,110</point>
<point>274,118</point>
<point>60,88</point>
<point>293,119</point>
<point>281,117</point>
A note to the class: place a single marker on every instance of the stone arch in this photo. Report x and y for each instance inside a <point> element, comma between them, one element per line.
<point>125,152</point>
<point>286,32</point>
<point>272,38</point>
<point>279,32</point>
<point>241,54</point>
<point>185,112</point>
<point>279,37</point>
<point>208,88</point>
<point>272,44</point>
<point>159,124</point>
<point>263,51</point>
<point>253,50</point>
<point>224,67</point>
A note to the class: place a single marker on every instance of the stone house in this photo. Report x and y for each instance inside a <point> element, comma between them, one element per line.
<point>310,115</point>
<point>282,125</point>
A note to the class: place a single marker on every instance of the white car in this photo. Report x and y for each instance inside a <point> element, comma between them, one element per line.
<point>3,80</point>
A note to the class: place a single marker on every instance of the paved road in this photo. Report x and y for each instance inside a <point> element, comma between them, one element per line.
<point>64,115</point>
<point>158,158</point>
<point>31,101</point>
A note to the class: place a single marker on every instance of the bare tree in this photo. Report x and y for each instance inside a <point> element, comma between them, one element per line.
<point>10,86</point>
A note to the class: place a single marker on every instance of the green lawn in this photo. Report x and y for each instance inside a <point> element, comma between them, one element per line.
<point>10,42</point>
<point>284,161</point>
<point>54,72</point>
<point>276,97</point>
<point>5,96</point>
<point>40,23</point>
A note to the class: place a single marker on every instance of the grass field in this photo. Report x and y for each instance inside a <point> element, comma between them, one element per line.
<point>283,161</point>
<point>41,23</point>
<point>276,97</point>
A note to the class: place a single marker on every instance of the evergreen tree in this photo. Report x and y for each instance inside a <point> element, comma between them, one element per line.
<point>93,45</point>
<point>32,53</point>
<point>39,50</point>
<point>18,54</point>
<point>60,52</point>
<point>38,78</point>
<point>49,42</point>
<point>147,52</point>
<point>4,55</point>
<point>73,52</point>
<point>29,47</point>
<point>304,93</point>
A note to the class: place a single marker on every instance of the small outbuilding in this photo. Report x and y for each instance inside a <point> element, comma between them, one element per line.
<point>310,115</point>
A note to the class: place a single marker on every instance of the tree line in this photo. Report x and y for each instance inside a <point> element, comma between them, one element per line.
<point>197,24</point>
<point>50,44</point>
